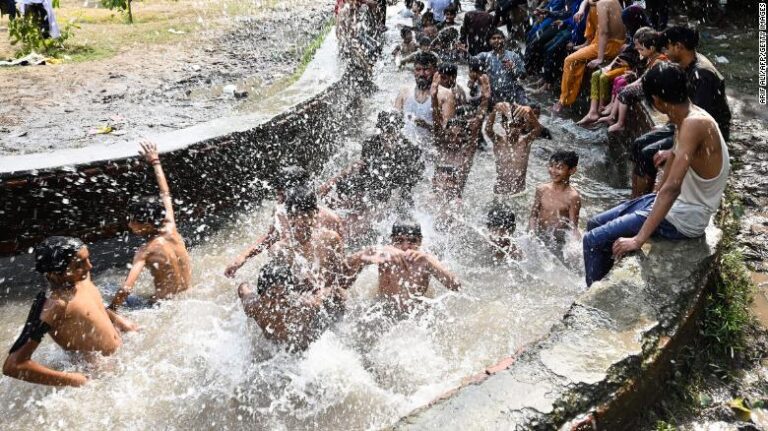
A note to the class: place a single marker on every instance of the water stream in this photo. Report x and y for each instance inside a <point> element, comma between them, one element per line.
<point>198,363</point>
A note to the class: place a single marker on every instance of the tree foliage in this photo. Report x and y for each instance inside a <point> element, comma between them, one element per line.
<point>121,5</point>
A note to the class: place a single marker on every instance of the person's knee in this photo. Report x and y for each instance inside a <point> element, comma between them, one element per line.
<point>592,223</point>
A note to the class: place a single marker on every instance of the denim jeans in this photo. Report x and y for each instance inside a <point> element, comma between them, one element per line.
<point>622,221</point>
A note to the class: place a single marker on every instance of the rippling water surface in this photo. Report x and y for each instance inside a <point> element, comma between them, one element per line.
<point>199,363</point>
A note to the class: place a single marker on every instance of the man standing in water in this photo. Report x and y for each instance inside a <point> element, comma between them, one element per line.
<point>690,190</point>
<point>164,253</point>
<point>505,68</point>
<point>416,102</point>
<point>73,315</point>
<point>404,270</point>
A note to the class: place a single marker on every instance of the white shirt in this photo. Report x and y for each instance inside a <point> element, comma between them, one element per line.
<point>53,27</point>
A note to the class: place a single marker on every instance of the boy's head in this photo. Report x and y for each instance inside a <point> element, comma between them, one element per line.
<point>496,39</point>
<point>665,84</point>
<point>417,7</point>
<point>301,207</point>
<point>425,42</point>
<point>390,122</point>
<point>428,19</point>
<point>450,14</point>
<point>408,4</point>
<point>680,40</point>
<point>563,164</point>
<point>646,41</point>
<point>289,177</point>
<point>406,235</point>
<point>448,74</point>
<point>146,216</point>
<point>406,34</point>
<point>424,67</point>
<point>476,68</point>
<point>64,260</point>
<point>501,224</point>
<point>275,277</point>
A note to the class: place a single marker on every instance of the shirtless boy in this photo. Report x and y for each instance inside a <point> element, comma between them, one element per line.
<point>407,46</point>
<point>164,253</point>
<point>501,226</point>
<point>73,314</point>
<point>287,178</point>
<point>556,206</point>
<point>404,270</point>
<point>286,314</point>
<point>511,150</point>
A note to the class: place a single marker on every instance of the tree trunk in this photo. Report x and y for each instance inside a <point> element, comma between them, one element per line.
<point>130,14</point>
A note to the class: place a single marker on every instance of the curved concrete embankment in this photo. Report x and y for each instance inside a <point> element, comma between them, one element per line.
<point>211,167</point>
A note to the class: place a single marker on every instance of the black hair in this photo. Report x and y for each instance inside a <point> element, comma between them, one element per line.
<point>495,33</point>
<point>149,210</point>
<point>291,176</point>
<point>689,37</point>
<point>451,9</point>
<point>648,37</point>
<point>481,4</point>
<point>425,59</point>
<point>408,3</point>
<point>570,158</point>
<point>406,228</point>
<point>300,200</point>
<point>667,81</point>
<point>420,5</point>
<point>501,216</point>
<point>447,68</point>
<point>424,40</point>
<point>55,253</point>
<point>428,16</point>
<point>476,65</point>
<point>390,120</point>
<point>404,31</point>
<point>275,273</point>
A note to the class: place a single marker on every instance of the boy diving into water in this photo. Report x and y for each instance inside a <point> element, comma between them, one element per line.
<point>164,253</point>
<point>404,270</point>
<point>73,314</point>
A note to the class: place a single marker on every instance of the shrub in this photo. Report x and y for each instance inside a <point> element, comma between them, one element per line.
<point>25,30</point>
<point>121,5</point>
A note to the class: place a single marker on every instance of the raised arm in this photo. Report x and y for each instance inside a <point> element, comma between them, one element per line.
<point>441,273</point>
<point>149,152</point>
<point>263,243</point>
<point>489,127</point>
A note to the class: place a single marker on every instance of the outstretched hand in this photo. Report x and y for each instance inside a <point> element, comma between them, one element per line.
<point>149,151</point>
<point>623,246</point>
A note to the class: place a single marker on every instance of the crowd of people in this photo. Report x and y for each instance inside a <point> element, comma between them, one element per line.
<point>318,242</point>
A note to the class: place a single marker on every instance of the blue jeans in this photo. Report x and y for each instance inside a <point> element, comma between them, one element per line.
<point>622,221</point>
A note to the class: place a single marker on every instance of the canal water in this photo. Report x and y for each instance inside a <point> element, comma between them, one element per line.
<point>198,363</point>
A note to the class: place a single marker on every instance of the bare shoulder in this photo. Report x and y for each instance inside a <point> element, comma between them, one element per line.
<point>52,310</point>
<point>543,188</point>
<point>327,236</point>
<point>573,195</point>
<point>445,93</point>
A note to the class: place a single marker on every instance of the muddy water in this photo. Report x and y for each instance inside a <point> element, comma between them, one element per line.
<point>199,363</point>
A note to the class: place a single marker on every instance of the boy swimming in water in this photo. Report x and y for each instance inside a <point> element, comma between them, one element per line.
<point>501,226</point>
<point>286,178</point>
<point>73,314</point>
<point>285,313</point>
<point>556,206</point>
<point>164,252</point>
<point>404,270</point>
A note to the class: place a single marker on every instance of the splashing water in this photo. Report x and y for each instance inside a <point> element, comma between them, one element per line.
<point>199,363</point>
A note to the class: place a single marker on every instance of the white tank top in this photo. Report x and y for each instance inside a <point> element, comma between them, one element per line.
<point>699,198</point>
<point>412,110</point>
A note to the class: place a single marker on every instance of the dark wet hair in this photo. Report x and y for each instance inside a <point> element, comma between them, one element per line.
<point>300,200</point>
<point>689,37</point>
<point>481,4</point>
<point>425,59</point>
<point>149,210</point>
<point>501,216</point>
<point>447,68</point>
<point>570,158</point>
<point>451,9</point>
<point>667,81</point>
<point>420,5</point>
<point>406,228</point>
<point>55,253</point>
<point>648,37</point>
<point>275,273</point>
<point>424,40</point>
<point>390,120</point>
<point>428,16</point>
<point>476,65</point>
<point>496,32</point>
<point>404,31</point>
<point>408,3</point>
<point>291,176</point>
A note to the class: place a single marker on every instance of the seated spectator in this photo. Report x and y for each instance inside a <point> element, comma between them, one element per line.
<point>690,191</point>
<point>553,19</point>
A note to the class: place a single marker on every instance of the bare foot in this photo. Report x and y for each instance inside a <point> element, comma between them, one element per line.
<point>557,108</point>
<point>606,120</point>
<point>588,119</point>
<point>618,127</point>
<point>607,110</point>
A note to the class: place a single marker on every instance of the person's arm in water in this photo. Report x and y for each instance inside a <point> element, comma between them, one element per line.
<point>400,100</point>
<point>139,262</point>
<point>573,214</point>
<point>121,323</point>
<point>533,220</point>
<point>263,243</point>
<point>149,152</point>
<point>679,162</point>
<point>435,268</point>
<point>19,363</point>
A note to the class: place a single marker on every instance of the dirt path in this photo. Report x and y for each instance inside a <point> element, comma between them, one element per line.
<point>151,88</point>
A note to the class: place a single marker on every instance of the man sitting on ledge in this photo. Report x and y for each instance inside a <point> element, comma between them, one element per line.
<point>690,191</point>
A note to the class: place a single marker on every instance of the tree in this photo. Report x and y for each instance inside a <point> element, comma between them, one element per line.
<point>121,5</point>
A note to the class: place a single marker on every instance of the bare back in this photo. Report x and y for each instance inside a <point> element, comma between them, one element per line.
<point>511,155</point>
<point>169,264</point>
<point>609,15</point>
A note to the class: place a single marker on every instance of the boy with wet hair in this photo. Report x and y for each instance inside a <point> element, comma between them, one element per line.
<point>501,226</point>
<point>73,314</point>
<point>448,74</point>
<point>285,179</point>
<point>556,206</point>
<point>164,253</point>
<point>404,269</point>
<point>408,45</point>
<point>425,46</point>
<point>512,149</point>
<point>285,314</point>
